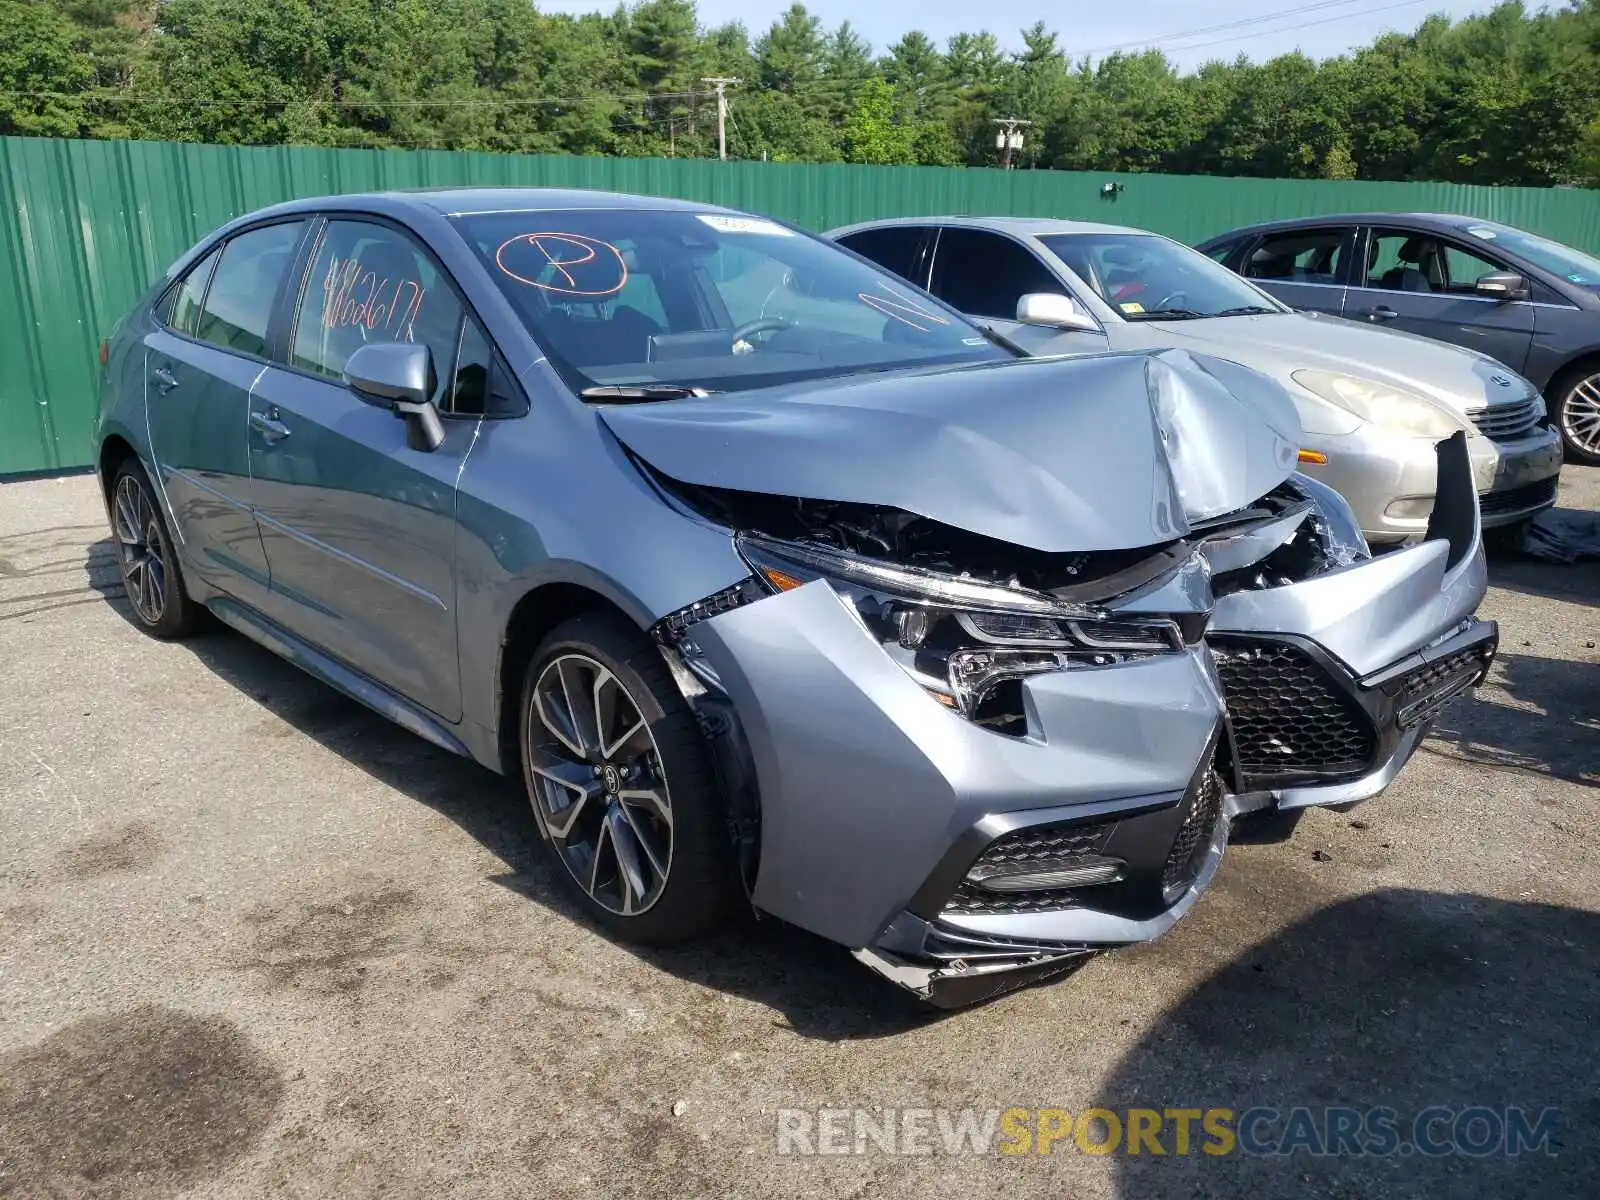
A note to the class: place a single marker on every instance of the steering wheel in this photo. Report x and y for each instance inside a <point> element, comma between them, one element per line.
<point>760,325</point>
<point>1167,300</point>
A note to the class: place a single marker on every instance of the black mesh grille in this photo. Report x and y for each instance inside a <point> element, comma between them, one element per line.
<point>1424,691</point>
<point>1194,837</point>
<point>1289,716</point>
<point>1518,498</point>
<point>1046,843</point>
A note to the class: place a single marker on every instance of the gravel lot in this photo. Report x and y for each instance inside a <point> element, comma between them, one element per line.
<point>256,941</point>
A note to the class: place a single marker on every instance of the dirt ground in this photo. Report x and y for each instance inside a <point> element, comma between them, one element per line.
<point>254,941</point>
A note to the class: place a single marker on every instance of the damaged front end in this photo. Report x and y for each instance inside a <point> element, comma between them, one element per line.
<point>975,760</point>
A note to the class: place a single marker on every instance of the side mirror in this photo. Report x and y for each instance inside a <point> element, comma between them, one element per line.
<point>398,376</point>
<point>1502,285</point>
<point>1052,310</point>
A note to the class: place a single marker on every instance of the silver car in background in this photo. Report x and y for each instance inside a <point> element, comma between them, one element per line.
<point>1372,402</point>
<point>773,580</point>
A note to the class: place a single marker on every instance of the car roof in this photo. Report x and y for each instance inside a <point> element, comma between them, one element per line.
<point>1429,221</point>
<point>454,201</point>
<point>1016,226</point>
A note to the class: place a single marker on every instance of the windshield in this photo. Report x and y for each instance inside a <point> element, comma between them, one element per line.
<point>630,298</point>
<point>1572,265</point>
<point>1148,278</point>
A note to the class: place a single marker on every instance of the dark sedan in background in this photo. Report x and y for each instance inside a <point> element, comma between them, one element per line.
<point>1532,303</point>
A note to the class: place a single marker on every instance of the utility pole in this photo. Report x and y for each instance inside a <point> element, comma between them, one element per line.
<point>720,82</point>
<point>1009,138</point>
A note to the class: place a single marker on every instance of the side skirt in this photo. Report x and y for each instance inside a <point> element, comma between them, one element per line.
<point>335,674</point>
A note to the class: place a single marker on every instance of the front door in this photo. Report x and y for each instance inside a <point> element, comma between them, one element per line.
<point>1425,284</point>
<point>207,351</point>
<point>359,528</point>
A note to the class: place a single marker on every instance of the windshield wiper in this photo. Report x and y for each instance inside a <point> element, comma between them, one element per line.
<point>1244,310</point>
<point>996,338</point>
<point>641,393</point>
<point>1165,314</point>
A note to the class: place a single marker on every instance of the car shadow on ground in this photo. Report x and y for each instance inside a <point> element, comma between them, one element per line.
<point>1551,727</point>
<point>819,990</point>
<point>1402,999</point>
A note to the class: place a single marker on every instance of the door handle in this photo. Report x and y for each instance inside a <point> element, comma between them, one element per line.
<point>1382,313</point>
<point>268,425</point>
<point>165,379</point>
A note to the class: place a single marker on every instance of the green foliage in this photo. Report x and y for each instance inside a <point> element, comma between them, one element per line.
<point>1511,96</point>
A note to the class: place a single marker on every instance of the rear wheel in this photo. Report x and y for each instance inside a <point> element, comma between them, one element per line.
<point>1575,399</point>
<point>151,576</point>
<point>619,779</point>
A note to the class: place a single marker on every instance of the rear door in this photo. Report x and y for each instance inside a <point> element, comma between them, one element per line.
<point>207,352</point>
<point>984,274</point>
<point>1305,268</point>
<point>359,528</point>
<point>1425,283</point>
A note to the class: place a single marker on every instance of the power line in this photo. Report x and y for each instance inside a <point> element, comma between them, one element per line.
<point>1302,25</point>
<point>1242,23</point>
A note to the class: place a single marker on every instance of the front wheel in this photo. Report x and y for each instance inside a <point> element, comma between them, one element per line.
<point>151,576</point>
<point>621,785</point>
<point>1576,402</point>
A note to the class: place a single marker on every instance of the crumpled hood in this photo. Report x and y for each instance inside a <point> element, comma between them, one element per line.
<point>1285,342</point>
<point>1108,452</point>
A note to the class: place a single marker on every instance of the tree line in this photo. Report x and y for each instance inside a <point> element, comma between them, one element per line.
<point>1508,97</point>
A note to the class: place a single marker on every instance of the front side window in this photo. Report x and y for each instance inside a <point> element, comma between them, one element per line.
<point>238,304</point>
<point>985,274</point>
<point>372,283</point>
<point>1148,278</point>
<point>1310,256</point>
<point>1412,262</point>
<point>1572,265</point>
<point>184,313</point>
<point>625,298</point>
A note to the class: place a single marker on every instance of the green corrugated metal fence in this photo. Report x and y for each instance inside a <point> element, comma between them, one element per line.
<point>86,226</point>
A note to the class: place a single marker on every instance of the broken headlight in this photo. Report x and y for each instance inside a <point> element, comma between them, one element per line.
<point>969,643</point>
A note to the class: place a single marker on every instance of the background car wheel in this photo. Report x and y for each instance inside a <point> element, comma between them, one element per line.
<point>151,575</point>
<point>1575,408</point>
<point>620,782</point>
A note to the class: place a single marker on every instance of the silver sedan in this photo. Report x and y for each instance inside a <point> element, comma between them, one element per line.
<point>1372,402</point>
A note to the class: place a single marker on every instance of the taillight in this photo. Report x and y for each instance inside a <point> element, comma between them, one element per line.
<point>105,353</point>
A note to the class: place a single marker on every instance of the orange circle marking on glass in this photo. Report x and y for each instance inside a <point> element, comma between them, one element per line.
<point>551,246</point>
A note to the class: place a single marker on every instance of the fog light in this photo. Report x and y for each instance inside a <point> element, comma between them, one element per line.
<point>1411,508</point>
<point>1046,874</point>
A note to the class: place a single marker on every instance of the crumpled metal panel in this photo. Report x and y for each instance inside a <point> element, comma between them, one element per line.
<point>1110,452</point>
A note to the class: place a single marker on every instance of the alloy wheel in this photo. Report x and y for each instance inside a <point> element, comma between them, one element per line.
<point>141,548</point>
<point>1580,415</point>
<point>598,785</point>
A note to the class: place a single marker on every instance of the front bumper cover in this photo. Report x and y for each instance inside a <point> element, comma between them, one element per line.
<point>876,804</point>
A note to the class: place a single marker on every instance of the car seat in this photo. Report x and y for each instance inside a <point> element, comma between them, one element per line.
<point>1408,275</point>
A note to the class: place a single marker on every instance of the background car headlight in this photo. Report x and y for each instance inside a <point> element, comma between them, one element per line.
<point>1390,408</point>
<point>970,644</point>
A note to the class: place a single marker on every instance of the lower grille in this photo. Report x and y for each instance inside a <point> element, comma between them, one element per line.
<point>1045,843</point>
<point>1290,718</point>
<point>1507,422</point>
<point>1189,848</point>
<point>1426,690</point>
<point>1518,499</point>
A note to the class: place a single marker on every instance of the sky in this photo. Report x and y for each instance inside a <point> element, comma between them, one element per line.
<point>1321,29</point>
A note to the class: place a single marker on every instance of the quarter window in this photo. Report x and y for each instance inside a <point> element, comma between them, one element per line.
<point>984,274</point>
<point>185,313</point>
<point>370,283</point>
<point>1308,256</point>
<point>238,304</point>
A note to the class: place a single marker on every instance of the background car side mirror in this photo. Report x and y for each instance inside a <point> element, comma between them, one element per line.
<point>1502,285</point>
<point>1052,310</point>
<point>398,376</point>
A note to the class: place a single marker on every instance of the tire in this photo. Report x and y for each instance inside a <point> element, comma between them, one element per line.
<point>1575,409</point>
<point>152,577</point>
<point>633,819</point>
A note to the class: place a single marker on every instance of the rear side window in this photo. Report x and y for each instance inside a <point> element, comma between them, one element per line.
<point>238,305</point>
<point>372,283</point>
<point>893,247</point>
<point>984,274</point>
<point>184,314</point>
<point>1309,256</point>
